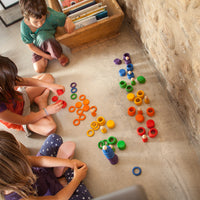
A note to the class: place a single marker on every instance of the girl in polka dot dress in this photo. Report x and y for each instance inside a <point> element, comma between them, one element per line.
<point>52,174</point>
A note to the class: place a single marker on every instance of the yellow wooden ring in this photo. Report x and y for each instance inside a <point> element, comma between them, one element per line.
<point>130,96</point>
<point>138,101</point>
<point>140,93</point>
<point>101,121</point>
<point>88,133</point>
<point>110,124</point>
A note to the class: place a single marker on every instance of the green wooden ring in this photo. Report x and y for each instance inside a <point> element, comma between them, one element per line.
<point>73,96</point>
<point>112,140</point>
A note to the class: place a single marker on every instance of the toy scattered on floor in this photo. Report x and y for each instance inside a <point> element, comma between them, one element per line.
<point>144,138</point>
<point>133,81</point>
<point>95,126</point>
<point>110,155</point>
<point>60,92</point>
<point>131,111</point>
<point>153,132</point>
<point>139,111</point>
<point>90,132</point>
<point>130,96</point>
<point>54,98</point>
<point>121,145</point>
<point>141,131</point>
<point>140,93</point>
<point>150,111</point>
<point>139,118</point>
<point>73,90</point>
<point>129,67</point>
<point>101,121</point>
<point>117,61</point>
<point>112,140</point>
<point>146,100</point>
<point>129,88</point>
<point>110,124</point>
<point>130,75</point>
<point>150,123</point>
<point>103,129</point>
<point>138,101</point>
<point>141,79</point>
<point>136,171</point>
<point>122,84</point>
<point>127,58</point>
<point>93,110</point>
<point>122,72</point>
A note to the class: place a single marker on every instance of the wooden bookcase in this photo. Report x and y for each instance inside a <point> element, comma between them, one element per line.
<point>94,33</point>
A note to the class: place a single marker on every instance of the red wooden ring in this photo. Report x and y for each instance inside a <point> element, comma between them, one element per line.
<point>153,132</point>
<point>150,123</point>
<point>141,131</point>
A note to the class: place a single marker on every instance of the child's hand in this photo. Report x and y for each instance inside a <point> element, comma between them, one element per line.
<point>49,57</point>
<point>69,25</point>
<point>80,173</point>
<point>77,163</point>
<point>54,108</point>
<point>56,87</point>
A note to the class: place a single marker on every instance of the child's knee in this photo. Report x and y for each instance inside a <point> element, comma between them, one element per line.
<point>51,129</point>
<point>49,78</point>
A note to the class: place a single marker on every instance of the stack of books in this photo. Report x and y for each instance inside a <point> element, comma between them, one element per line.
<point>84,12</point>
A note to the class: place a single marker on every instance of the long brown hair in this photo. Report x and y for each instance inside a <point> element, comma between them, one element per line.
<point>8,79</point>
<point>15,172</point>
<point>33,8</point>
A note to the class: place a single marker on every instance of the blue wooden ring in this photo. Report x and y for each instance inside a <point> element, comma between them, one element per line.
<point>74,90</point>
<point>138,173</point>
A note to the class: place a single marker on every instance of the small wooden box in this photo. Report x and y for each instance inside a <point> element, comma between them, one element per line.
<point>93,33</point>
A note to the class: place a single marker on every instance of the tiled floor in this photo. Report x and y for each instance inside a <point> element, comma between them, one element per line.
<point>170,166</point>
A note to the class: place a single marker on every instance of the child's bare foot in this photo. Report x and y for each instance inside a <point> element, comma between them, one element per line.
<point>43,97</point>
<point>63,60</point>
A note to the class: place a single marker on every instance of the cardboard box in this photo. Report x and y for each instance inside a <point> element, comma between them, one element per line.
<point>93,33</point>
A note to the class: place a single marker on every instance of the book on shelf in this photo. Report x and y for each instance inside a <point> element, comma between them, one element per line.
<point>68,3</point>
<point>78,13</point>
<point>85,22</point>
<point>89,13</point>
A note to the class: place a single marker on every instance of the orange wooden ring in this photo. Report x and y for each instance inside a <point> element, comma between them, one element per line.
<point>86,108</point>
<point>82,97</point>
<point>82,117</point>
<point>139,118</point>
<point>94,114</point>
<point>92,133</point>
<point>150,111</point>
<point>78,104</point>
<point>76,122</point>
<point>86,102</point>
<point>95,109</point>
<point>131,111</point>
<point>72,109</point>
<point>79,111</point>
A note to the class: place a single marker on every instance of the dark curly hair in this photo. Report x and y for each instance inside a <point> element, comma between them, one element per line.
<point>33,8</point>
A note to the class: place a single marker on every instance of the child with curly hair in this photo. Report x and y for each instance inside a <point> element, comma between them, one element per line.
<point>38,29</point>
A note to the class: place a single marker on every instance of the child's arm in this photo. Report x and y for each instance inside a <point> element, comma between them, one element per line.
<point>30,118</point>
<point>38,83</point>
<point>69,25</point>
<point>79,174</point>
<point>39,52</point>
<point>48,161</point>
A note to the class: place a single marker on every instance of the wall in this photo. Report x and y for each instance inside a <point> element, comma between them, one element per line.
<point>170,31</point>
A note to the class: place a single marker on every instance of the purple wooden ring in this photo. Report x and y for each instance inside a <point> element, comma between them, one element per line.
<point>73,85</point>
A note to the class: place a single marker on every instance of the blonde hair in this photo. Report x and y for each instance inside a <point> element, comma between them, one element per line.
<point>15,172</point>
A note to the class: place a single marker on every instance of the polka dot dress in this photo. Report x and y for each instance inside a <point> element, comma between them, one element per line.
<point>81,192</point>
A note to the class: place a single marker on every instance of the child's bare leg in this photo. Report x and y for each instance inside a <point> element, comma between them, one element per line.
<point>46,125</point>
<point>34,92</point>
<point>41,65</point>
